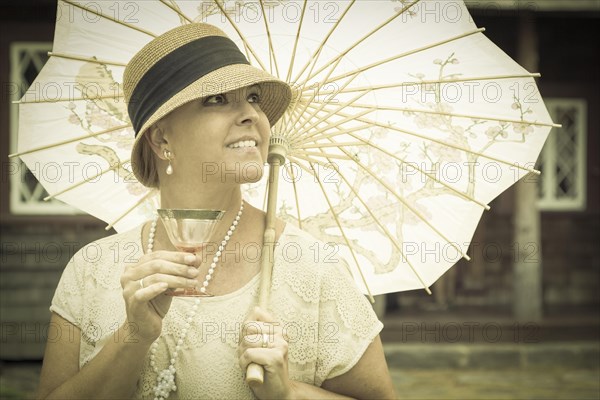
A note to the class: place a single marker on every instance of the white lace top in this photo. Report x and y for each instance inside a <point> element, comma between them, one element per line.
<point>329,323</point>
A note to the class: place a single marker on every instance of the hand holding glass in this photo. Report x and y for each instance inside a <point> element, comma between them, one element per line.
<point>189,230</point>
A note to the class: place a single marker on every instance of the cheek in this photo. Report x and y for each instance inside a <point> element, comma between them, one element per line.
<point>265,133</point>
<point>264,151</point>
<point>201,144</point>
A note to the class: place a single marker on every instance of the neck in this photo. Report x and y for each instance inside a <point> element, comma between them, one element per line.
<point>227,199</point>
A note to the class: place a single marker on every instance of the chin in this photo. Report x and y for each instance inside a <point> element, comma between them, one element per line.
<point>252,172</point>
<point>242,172</point>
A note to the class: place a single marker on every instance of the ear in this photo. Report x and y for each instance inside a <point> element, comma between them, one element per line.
<point>157,140</point>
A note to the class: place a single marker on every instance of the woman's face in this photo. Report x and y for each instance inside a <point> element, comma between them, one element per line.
<point>221,138</point>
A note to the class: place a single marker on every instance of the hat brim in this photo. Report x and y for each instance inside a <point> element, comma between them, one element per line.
<point>275,98</point>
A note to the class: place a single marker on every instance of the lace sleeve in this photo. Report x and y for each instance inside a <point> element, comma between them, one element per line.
<point>68,298</point>
<point>347,323</point>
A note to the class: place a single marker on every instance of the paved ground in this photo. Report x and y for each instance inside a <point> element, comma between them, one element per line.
<point>546,384</point>
<point>19,381</point>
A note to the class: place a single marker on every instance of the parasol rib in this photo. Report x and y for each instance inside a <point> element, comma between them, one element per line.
<point>372,32</point>
<point>402,55</point>
<point>300,114</point>
<point>308,159</point>
<point>430,139</point>
<point>432,82</point>
<point>177,11</point>
<point>284,122</point>
<point>115,96</point>
<point>332,144</point>
<point>312,114</point>
<point>150,193</point>
<point>247,51</point>
<point>53,145</point>
<point>293,176</point>
<point>416,167</point>
<point>385,230</point>
<point>328,125</point>
<point>315,56</point>
<point>108,17</point>
<point>76,185</point>
<point>234,26</point>
<point>320,130</point>
<point>317,154</point>
<point>401,199</point>
<point>411,208</point>
<point>337,221</point>
<point>447,114</point>
<point>86,59</point>
<point>301,144</point>
<point>365,142</point>
<point>270,39</point>
<point>293,58</point>
<point>365,91</point>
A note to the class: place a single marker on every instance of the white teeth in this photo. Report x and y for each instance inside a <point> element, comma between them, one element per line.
<point>243,143</point>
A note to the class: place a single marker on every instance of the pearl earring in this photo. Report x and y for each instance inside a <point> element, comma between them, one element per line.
<point>169,156</point>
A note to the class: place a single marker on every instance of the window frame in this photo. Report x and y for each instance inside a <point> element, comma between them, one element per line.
<point>18,206</point>
<point>549,154</point>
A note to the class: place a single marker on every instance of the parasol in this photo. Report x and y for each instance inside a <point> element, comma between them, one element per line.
<point>407,122</point>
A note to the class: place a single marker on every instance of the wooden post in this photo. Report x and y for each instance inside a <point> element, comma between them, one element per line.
<point>527,284</point>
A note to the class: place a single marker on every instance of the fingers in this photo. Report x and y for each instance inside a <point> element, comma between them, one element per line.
<point>258,330</point>
<point>172,282</point>
<point>176,269</point>
<point>149,292</point>
<point>262,341</point>
<point>268,350</point>
<point>166,262</point>
<point>142,297</point>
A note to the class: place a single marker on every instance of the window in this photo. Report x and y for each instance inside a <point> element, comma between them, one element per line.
<point>562,185</point>
<point>26,193</point>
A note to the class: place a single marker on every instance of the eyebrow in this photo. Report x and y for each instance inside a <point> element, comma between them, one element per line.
<point>252,88</point>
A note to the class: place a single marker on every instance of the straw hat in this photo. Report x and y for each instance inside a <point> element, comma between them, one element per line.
<point>185,64</point>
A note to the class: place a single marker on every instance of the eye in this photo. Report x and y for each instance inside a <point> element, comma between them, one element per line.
<point>254,98</point>
<point>216,99</point>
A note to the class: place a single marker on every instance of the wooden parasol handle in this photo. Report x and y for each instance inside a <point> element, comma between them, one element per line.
<point>255,372</point>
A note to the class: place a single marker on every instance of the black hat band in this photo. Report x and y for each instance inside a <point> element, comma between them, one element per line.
<point>177,70</point>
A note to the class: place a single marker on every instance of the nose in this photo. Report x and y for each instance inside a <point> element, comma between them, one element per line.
<point>247,113</point>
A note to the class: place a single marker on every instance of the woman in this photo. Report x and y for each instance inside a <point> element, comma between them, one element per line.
<point>202,117</point>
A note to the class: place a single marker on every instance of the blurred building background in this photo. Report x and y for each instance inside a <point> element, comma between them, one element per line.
<point>532,288</point>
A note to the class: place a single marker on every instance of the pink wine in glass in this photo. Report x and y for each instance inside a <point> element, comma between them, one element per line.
<point>189,230</point>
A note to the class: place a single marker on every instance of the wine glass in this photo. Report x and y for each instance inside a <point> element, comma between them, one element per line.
<point>189,230</point>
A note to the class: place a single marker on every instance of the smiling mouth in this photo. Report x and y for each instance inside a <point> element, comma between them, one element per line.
<point>243,144</point>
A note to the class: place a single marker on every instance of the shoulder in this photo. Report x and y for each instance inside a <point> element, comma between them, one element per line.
<point>90,283</point>
<point>107,246</point>
<point>104,256</point>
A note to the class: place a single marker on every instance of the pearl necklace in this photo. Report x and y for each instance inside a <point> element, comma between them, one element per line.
<point>165,381</point>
